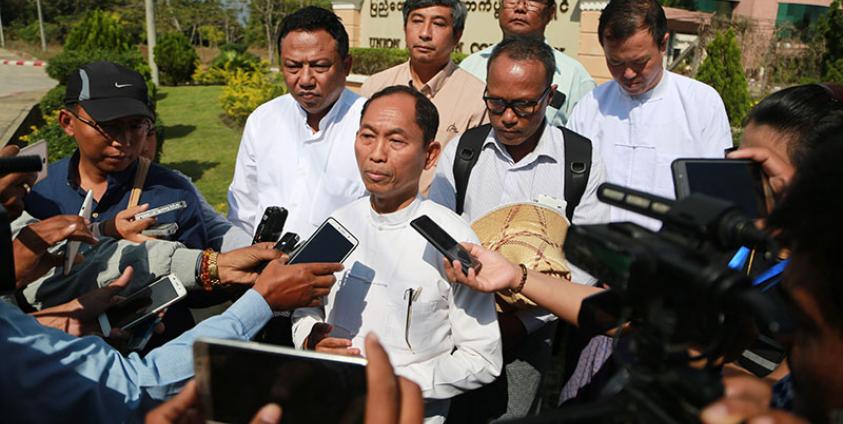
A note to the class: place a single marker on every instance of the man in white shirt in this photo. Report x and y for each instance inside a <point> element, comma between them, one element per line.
<point>442,336</point>
<point>297,149</point>
<point>529,18</point>
<point>647,117</point>
<point>522,160</point>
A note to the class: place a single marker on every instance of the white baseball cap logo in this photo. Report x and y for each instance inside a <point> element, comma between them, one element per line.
<point>116,85</point>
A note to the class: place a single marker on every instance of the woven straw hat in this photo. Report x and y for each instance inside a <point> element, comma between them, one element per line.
<point>527,233</point>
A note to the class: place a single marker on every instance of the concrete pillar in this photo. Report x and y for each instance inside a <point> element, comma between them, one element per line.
<point>590,53</point>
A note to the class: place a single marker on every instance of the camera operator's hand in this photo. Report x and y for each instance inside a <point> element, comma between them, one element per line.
<point>746,400</point>
<point>389,399</point>
<point>240,266</point>
<point>779,171</point>
<point>14,186</point>
<point>497,273</point>
<point>286,287</point>
<point>79,316</point>
<point>124,226</point>
<point>32,260</point>
<point>319,341</point>
<point>184,409</point>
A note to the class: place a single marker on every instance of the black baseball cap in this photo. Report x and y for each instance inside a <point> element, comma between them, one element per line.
<point>108,91</point>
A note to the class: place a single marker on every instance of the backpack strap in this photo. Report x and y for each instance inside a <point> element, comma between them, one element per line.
<point>577,168</point>
<point>468,151</point>
<point>140,179</point>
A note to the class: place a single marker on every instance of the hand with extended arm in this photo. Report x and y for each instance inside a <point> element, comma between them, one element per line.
<point>32,258</point>
<point>79,316</point>
<point>559,296</point>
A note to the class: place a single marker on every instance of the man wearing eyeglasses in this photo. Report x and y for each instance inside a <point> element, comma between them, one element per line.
<point>529,18</point>
<point>521,160</point>
<point>108,112</point>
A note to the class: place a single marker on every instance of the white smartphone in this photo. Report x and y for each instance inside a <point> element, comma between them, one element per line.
<point>181,204</point>
<point>161,230</point>
<point>39,148</point>
<point>330,243</point>
<point>142,304</point>
<point>72,247</point>
<point>235,379</point>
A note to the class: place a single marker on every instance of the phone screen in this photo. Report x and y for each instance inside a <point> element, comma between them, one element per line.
<point>142,303</point>
<point>738,182</point>
<point>238,381</point>
<point>328,244</point>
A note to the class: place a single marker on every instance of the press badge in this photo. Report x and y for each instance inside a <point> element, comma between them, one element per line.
<point>551,202</point>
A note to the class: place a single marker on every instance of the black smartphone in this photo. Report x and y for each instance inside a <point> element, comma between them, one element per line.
<point>235,379</point>
<point>271,225</point>
<point>739,181</point>
<point>330,243</point>
<point>444,243</point>
<point>287,243</point>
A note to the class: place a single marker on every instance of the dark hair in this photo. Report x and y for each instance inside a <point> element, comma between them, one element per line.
<point>526,48</point>
<point>623,18</point>
<point>803,113</point>
<point>312,18</point>
<point>427,117</point>
<point>808,217</point>
<point>458,11</point>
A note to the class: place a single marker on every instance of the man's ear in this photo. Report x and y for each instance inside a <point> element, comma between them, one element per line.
<point>663,46</point>
<point>457,37</point>
<point>66,122</point>
<point>346,63</point>
<point>433,151</point>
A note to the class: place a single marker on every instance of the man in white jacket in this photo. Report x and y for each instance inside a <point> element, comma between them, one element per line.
<point>442,336</point>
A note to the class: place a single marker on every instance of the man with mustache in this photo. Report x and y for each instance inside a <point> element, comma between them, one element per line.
<point>530,18</point>
<point>432,29</point>
<point>442,336</point>
<point>297,150</point>
<point>647,117</point>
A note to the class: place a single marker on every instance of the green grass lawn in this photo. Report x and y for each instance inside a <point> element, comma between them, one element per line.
<point>196,141</point>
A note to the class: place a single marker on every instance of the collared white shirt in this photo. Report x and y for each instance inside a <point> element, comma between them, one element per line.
<point>451,341</point>
<point>641,136</point>
<point>497,180</point>
<point>282,162</point>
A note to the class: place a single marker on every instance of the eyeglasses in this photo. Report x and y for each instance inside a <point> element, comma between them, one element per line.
<point>532,5</point>
<point>522,108</point>
<point>111,130</point>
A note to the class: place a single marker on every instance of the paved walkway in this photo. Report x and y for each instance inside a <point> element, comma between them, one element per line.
<point>20,88</point>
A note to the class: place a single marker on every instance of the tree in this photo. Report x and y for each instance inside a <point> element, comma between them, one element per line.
<point>176,58</point>
<point>831,28</point>
<point>268,15</point>
<point>98,30</point>
<point>722,69</point>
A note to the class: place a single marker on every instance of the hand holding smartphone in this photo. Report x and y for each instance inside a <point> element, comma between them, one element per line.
<point>143,304</point>
<point>740,181</point>
<point>72,247</point>
<point>444,243</point>
<point>330,243</point>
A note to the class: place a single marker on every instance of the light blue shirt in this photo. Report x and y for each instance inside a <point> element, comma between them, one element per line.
<point>50,376</point>
<point>571,79</point>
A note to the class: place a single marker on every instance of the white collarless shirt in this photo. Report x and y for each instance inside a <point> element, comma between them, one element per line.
<point>641,136</point>
<point>451,341</point>
<point>282,162</point>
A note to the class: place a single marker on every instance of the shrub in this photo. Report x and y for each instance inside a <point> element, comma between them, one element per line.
<point>99,30</point>
<point>369,61</point>
<point>722,70</point>
<point>32,33</point>
<point>237,47</point>
<point>59,144</point>
<point>176,58</point>
<point>52,101</point>
<point>246,90</point>
<point>60,66</point>
<point>831,28</point>
<point>225,63</point>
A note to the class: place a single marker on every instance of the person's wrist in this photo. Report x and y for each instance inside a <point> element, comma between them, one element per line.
<point>109,228</point>
<point>515,281</point>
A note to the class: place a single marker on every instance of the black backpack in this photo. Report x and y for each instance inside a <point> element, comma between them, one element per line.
<point>577,164</point>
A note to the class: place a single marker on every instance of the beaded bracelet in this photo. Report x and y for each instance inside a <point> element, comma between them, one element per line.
<point>523,280</point>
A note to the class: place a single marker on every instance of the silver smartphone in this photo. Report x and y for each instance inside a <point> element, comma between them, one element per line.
<point>161,230</point>
<point>72,247</point>
<point>330,243</point>
<point>235,379</point>
<point>181,204</point>
<point>39,148</point>
<point>142,304</point>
